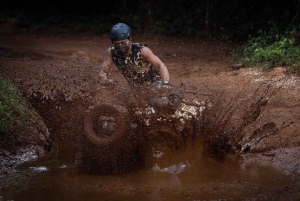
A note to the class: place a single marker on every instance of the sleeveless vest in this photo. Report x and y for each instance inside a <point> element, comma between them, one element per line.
<point>133,68</point>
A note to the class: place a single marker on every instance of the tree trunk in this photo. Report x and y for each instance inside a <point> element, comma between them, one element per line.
<point>207,21</point>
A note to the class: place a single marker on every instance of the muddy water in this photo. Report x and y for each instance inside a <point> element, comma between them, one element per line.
<point>181,176</point>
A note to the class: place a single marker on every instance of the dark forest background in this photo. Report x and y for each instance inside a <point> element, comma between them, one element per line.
<point>230,18</point>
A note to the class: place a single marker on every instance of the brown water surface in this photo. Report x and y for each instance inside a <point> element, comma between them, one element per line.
<point>185,176</point>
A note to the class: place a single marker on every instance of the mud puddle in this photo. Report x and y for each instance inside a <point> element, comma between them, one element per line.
<point>186,176</point>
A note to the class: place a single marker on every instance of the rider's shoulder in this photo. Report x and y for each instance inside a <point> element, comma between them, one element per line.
<point>145,50</point>
<point>139,45</point>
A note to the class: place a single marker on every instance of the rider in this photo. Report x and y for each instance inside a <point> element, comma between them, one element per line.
<point>135,61</point>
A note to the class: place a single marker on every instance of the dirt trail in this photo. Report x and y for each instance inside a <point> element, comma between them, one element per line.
<point>60,77</point>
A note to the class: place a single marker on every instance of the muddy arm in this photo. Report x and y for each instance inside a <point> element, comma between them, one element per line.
<point>148,55</point>
<point>105,67</point>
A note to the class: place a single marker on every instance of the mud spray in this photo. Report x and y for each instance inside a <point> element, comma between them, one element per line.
<point>229,124</point>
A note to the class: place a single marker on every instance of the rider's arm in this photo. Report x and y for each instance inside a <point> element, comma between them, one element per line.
<point>148,55</point>
<point>106,66</point>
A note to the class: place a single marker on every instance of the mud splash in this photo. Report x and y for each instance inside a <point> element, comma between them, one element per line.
<point>232,124</point>
<point>223,125</point>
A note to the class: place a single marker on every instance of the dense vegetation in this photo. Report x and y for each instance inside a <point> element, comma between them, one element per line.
<point>173,17</point>
<point>271,49</point>
<point>13,110</point>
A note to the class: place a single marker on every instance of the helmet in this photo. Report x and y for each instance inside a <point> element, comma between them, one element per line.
<point>120,31</point>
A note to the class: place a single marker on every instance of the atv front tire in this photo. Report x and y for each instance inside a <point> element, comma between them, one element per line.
<point>105,124</point>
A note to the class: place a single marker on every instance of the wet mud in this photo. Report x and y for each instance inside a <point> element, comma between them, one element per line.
<point>245,143</point>
<point>177,177</point>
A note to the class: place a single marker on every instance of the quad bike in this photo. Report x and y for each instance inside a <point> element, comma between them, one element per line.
<point>166,115</point>
<point>144,116</point>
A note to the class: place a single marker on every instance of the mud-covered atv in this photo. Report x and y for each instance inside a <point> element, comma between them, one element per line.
<point>166,115</point>
<point>140,117</point>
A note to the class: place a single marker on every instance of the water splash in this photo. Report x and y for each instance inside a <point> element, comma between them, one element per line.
<point>173,169</point>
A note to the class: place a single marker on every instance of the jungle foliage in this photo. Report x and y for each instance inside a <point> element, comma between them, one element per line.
<point>271,49</point>
<point>235,19</point>
<point>13,110</point>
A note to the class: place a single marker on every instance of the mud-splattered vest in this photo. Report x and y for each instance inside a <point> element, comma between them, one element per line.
<point>134,69</point>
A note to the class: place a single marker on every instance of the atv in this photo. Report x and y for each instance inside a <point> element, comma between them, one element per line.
<point>143,117</point>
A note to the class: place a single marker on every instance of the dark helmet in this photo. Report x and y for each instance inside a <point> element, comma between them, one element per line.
<point>120,31</point>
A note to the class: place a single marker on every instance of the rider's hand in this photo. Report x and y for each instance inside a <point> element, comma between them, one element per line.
<point>165,86</point>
